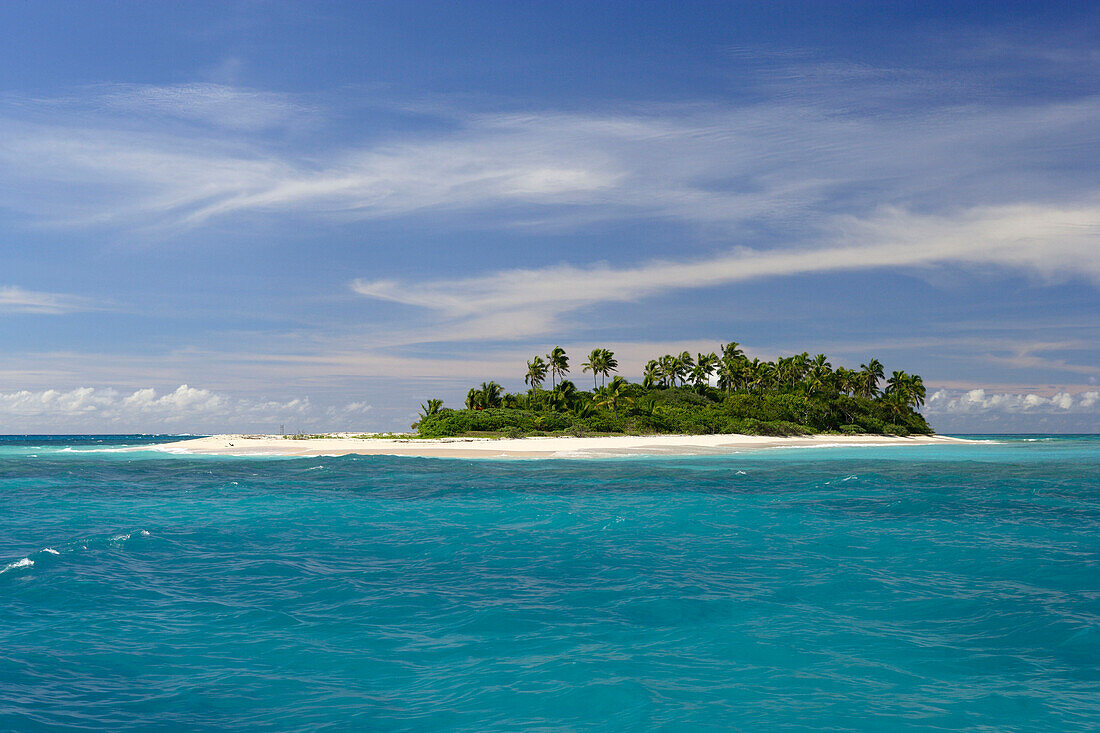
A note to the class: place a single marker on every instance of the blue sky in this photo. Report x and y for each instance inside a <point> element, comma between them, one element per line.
<point>235,216</point>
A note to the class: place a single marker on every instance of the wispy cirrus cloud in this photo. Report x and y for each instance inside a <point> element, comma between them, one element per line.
<point>14,299</point>
<point>1043,241</point>
<point>216,105</point>
<point>110,158</point>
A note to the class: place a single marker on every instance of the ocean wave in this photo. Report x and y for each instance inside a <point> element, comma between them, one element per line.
<point>25,562</point>
<point>122,537</point>
<point>77,546</point>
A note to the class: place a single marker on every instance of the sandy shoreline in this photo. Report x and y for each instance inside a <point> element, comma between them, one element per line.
<point>536,447</point>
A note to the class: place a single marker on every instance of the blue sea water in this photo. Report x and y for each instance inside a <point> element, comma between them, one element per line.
<point>904,588</point>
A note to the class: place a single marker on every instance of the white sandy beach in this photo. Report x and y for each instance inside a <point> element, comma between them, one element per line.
<point>535,447</point>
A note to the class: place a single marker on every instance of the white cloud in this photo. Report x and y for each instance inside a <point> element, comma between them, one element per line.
<point>1045,241</point>
<point>785,160</point>
<point>72,402</point>
<point>18,300</point>
<point>212,104</point>
<point>982,401</point>
<point>145,409</point>
<point>180,402</point>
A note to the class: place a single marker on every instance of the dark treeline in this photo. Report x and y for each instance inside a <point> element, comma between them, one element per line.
<point>793,395</point>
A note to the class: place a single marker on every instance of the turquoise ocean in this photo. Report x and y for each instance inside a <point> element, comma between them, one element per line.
<point>938,588</point>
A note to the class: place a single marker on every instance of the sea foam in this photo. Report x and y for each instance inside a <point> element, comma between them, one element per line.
<point>25,562</point>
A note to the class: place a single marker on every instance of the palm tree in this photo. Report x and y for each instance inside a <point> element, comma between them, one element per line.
<point>474,399</point>
<point>491,394</point>
<point>845,380</point>
<point>784,370</point>
<point>431,407</point>
<point>594,364</point>
<point>905,391</point>
<point>536,373</point>
<point>558,363</point>
<point>732,351</point>
<point>686,365</point>
<point>699,375</point>
<point>669,368</point>
<point>820,363</point>
<point>556,401</point>
<point>613,394</point>
<point>799,366</point>
<point>707,364</point>
<point>652,375</point>
<point>567,390</point>
<point>761,375</point>
<point>729,372</point>
<point>896,400</point>
<point>897,384</point>
<point>915,390</point>
<point>610,364</point>
<point>818,374</point>
<point>870,375</point>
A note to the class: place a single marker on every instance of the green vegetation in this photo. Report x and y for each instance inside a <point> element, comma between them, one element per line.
<point>797,395</point>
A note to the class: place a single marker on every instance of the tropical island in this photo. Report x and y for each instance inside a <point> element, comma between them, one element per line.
<point>717,402</point>
<point>722,392</point>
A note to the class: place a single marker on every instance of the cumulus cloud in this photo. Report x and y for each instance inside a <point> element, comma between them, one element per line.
<point>145,409</point>
<point>181,402</point>
<point>981,401</point>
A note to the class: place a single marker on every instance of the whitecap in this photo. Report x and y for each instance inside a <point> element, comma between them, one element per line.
<point>50,550</point>
<point>119,538</point>
<point>26,562</point>
<point>144,533</point>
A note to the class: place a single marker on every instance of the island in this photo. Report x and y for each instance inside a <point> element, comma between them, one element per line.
<point>722,392</point>
<point>715,402</point>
